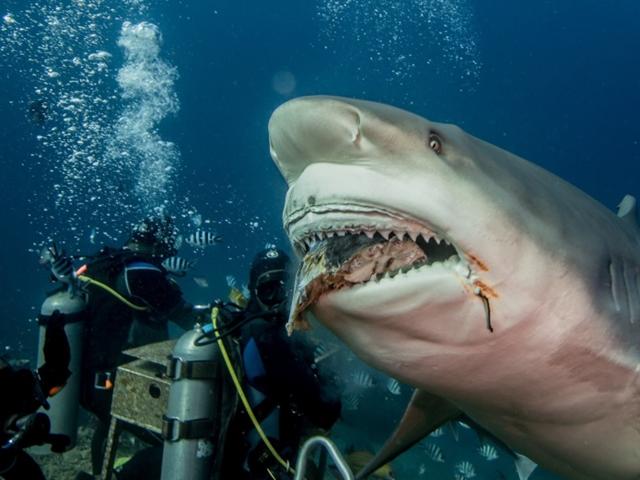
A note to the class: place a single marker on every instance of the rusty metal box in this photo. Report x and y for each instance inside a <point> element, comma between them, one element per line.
<point>141,390</point>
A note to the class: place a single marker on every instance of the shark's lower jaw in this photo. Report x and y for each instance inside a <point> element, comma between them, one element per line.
<point>338,255</point>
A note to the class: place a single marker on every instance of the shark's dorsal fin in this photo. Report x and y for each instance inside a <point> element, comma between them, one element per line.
<point>627,210</point>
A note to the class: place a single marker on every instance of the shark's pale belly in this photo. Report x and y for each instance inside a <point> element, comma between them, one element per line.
<point>561,404</point>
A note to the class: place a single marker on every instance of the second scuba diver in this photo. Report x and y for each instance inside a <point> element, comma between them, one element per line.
<point>288,396</point>
<point>130,300</point>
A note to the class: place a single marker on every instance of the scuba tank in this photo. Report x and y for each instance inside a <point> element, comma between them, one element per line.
<point>64,406</point>
<point>201,403</point>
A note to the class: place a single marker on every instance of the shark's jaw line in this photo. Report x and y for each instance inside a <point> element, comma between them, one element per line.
<point>313,225</point>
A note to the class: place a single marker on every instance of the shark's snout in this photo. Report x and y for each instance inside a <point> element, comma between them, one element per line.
<point>310,129</point>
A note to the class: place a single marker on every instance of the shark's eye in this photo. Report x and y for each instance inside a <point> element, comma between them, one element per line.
<point>435,143</point>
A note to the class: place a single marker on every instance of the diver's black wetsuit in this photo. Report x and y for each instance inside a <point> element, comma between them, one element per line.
<point>113,326</point>
<point>281,369</point>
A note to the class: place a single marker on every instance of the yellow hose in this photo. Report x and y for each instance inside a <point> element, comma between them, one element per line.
<point>110,290</point>
<point>215,311</point>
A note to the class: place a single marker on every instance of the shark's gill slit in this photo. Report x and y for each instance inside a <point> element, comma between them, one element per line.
<point>630,293</point>
<point>614,286</point>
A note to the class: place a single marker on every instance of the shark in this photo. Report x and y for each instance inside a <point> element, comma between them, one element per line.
<point>496,289</point>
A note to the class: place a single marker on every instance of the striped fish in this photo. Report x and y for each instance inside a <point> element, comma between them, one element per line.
<point>434,452</point>
<point>393,387</point>
<point>177,265</point>
<point>202,238</point>
<point>465,470</point>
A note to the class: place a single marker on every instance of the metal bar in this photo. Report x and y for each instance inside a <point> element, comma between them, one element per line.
<point>329,446</point>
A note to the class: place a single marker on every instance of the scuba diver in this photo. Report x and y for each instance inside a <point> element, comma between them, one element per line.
<point>286,393</point>
<point>24,391</point>
<point>129,301</point>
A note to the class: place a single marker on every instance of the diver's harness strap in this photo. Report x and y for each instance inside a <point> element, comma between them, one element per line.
<point>43,320</point>
<point>178,369</point>
<point>174,429</point>
<point>215,313</point>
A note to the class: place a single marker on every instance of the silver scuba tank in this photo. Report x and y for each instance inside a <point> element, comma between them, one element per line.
<point>201,403</point>
<point>64,406</point>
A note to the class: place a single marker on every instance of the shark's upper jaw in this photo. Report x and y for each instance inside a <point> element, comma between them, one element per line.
<point>356,251</point>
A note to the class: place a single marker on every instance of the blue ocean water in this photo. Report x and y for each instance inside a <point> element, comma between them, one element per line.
<point>184,100</point>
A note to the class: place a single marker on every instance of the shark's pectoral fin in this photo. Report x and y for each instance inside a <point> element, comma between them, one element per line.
<point>627,210</point>
<point>423,415</point>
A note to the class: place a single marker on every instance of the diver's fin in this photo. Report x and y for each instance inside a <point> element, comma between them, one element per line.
<point>524,466</point>
<point>627,210</point>
<point>423,415</point>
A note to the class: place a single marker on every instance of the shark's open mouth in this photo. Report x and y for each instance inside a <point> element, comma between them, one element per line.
<point>338,259</point>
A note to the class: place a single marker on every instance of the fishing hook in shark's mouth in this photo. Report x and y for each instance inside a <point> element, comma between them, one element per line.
<point>334,259</point>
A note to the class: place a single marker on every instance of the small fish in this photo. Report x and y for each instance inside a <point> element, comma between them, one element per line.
<point>201,282</point>
<point>237,297</point>
<point>351,401</point>
<point>362,379</point>
<point>323,351</point>
<point>438,432</point>
<point>231,281</point>
<point>463,425</point>
<point>488,452</point>
<point>201,239</point>
<point>177,265</point>
<point>465,469</point>
<point>393,387</point>
<point>434,452</point>
<point>92,236</point>
<point>422,469</point>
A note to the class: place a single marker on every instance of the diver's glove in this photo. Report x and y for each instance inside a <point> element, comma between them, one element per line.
<point>34,430</point>
<point>61,265</point>
<point>57,355</point>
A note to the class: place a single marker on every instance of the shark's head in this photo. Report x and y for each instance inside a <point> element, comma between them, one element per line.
<point>412,227</point>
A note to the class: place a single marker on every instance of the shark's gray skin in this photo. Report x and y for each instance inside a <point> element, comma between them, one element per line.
<point>532,329</point>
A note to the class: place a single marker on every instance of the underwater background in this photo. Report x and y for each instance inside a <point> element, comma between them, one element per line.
<point>111,110</point>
